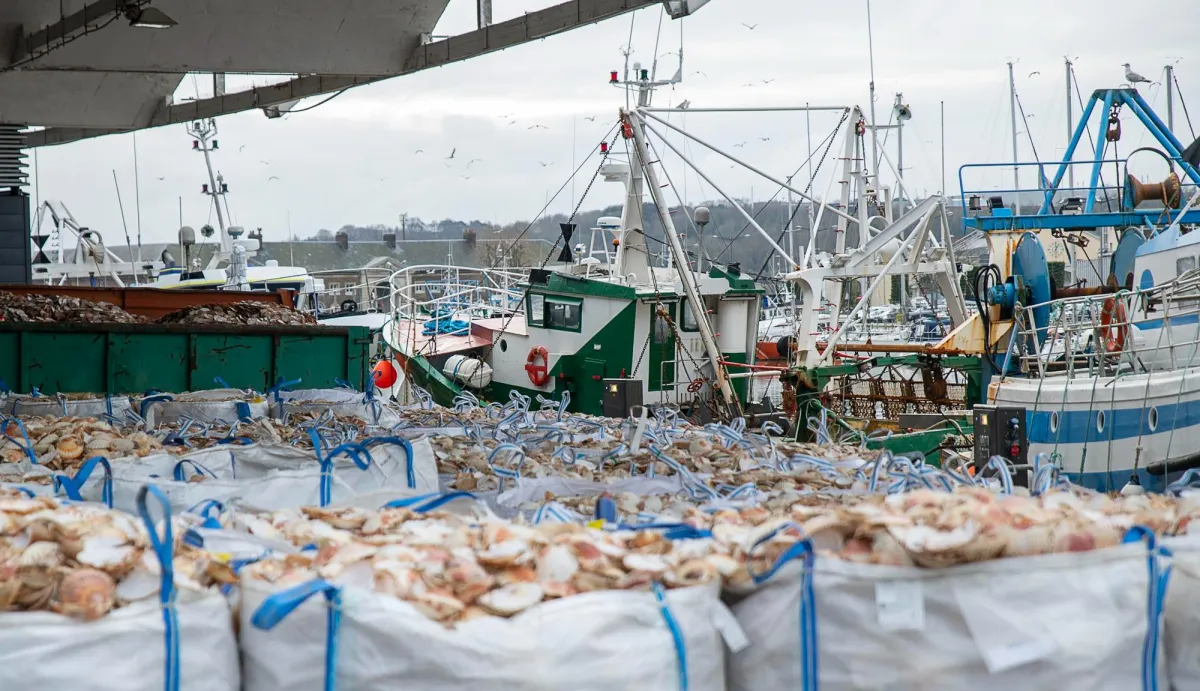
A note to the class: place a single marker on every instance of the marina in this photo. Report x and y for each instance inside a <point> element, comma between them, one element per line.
<point>715,386</point>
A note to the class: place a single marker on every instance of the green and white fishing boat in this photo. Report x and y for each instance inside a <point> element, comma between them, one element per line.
<point>609,311</point>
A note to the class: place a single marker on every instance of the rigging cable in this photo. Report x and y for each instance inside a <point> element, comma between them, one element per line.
<point>1183,103</point>
<point>315,105</point>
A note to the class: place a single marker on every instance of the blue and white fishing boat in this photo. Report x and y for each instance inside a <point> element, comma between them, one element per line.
<point>1109,374</point>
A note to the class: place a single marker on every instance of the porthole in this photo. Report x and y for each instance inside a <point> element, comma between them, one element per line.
<point>1153,419</point>
<point>503,346</point>
<point>1053,421</point>
<point>1100,421</point>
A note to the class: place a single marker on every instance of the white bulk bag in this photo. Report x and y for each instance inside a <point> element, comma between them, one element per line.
<point>1182,613</point>
<point>128,649</point>
<point>600,641</point>
<point>227,405</point>
<point>347,402</point>
<point>268,477</point>
<point>53,406</point>
<point>1064,622</point>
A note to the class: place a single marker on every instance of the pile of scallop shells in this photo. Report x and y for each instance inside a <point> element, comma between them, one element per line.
<point>453,568</point>
<point>15,307</point>
<point>245,313</point>
<point>186,436</point>
<point>64,443</point>
<point>84,561</point>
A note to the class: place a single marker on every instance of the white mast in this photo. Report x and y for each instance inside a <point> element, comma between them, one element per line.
<point>874,134</point>
<point>1170,80</point>
<point>1012,106</point>
<point>1070,126</point>
<point>686,277</point>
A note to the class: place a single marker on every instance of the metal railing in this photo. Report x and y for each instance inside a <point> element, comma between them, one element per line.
<point>464,293</point>
<point>1098,335</point>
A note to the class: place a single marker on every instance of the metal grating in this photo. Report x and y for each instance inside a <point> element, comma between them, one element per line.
<point>12,157</point>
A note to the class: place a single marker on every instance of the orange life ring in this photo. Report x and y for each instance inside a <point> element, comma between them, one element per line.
<point>1114,335</point>
<point>539,374</point>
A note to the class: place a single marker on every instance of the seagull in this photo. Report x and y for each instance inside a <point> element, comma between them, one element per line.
<point>545,164</point>
<point>466,177</point>
<point>243,146</point>
<point>1032,73</point>
<point>591,119</point>
<point>1133,77</point>
<point>751,27</point>
<point>473,161</point>
<point>767,81</point>
<point>738,146</point>
<point>537,127</point>
<point>748,86</point>
<point>702,74</point>
<point>764,139</point>
<point>452,152</point>
<point>265,163</point>
<point>273,177</point>
<point>162,178</point>
<point>685,105</point>
<point>512,123</point>
<point>419,151</point>
<point>509,115</point>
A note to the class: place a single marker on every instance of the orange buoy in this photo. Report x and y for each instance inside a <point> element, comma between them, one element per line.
<point>383,374</point>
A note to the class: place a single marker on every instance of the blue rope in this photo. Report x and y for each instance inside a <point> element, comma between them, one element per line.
<point>676,635</point>
<point>163,545</point>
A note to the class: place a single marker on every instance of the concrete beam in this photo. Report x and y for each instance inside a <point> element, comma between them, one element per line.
<point>524,29</point>
<point>92,17</point>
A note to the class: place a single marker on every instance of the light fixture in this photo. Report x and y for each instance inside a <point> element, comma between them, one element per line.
<point>148,18</point>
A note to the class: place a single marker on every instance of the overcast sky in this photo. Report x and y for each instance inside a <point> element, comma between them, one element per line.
<point>353,160</point>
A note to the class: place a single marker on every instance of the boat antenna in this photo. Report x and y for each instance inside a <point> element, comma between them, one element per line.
<point>137,199</point>
<point>1012,106</point>
<point>128,244</point>
<point>874,132</point>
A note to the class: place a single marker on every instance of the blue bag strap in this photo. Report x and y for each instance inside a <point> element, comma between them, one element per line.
<point>243,411</point>
<point>664,609</point>
<point>221,382</point>
<point>411,473</point>
<point>351,450</point>
<point>277,607</point>
<point>148,400</point>
<point>280,385</point>
<point>1158,579</point>
<point>179,475</point>
<point>205,510</point>
<point>163,544</point>
<point>428,502</point>
<point>672,531</point>
<point>73,486</point>
<point>606,510</point>
<point>27,447</point>
<point>802,549</point>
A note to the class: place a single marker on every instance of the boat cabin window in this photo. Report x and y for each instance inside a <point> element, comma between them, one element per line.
<point>565,314</point>
<point>1184,265</point>
<point>689,318</point>
<point>553,312</point>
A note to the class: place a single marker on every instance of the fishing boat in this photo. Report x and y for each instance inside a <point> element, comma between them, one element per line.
<point>1107,374</point>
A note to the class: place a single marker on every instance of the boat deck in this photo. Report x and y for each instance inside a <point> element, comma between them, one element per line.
<point>409,334</point>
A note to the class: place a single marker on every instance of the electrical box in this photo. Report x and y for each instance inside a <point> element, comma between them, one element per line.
<point>621,396</point>
<point>1001,431</point>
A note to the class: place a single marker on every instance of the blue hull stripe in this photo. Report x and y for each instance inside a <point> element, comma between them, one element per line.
<point>1080,426</point>
<point>1151,324</point>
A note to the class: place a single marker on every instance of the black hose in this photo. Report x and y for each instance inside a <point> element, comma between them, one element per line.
<point>983,279</point>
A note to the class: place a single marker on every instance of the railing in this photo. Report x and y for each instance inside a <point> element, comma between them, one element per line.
<point>466,293</point>
<point>1100,191</point>
<point>1098,336</point>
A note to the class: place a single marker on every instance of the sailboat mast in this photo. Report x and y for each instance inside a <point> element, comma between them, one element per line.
<point>874,132</point>
<point>1170,80</point>
<point>1070,127</point>
<point>1012,106</point>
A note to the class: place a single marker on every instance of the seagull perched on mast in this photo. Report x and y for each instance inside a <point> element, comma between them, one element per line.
<point>1133,77</point>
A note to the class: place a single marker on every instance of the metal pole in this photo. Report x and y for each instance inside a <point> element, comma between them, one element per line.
<point>1070,127</point>
<point>749,219</point>
<point>790,227</point>
<point>745,165</point>
<point>808,128</point>
<point>484,13</point>
<point>1012,106</point>
<point>899,139</point>
<point>1170,97</point>
<point>686,276</point>
<point>874,133</point>
<point>943,190</point>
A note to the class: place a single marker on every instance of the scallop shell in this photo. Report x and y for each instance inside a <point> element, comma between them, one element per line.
<point>44,554</point>
<point>87,594</point>
<point>512,598</point>
<point>69,448</point>
<point>557,563</point>
<point>109,554</point>
<point>437,604</point>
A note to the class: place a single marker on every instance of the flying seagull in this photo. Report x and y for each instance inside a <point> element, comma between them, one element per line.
<point>767,81</point>
<point>751,27</point>
<point>474,161</point>
<point>738,146</point>
<point>1133,77</point>
<point>419,151</point>
<point>545,164</point>
<point>1032,73</point>
<point>452,152</point>
<point>243,146</point>
<point>537,127</point>
<point>265,163</point>
<point>510,124</point>
<point>162,178</point>
<point>702,74</point>
<point>591,119</point>
<point>273,177</point>
<point>764,139</point>
<point>466,177</point>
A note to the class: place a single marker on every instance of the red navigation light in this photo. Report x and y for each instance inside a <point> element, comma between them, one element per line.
<point>204,188</point>
<point>612,77</point>
<point>603,147</point>
<point>1015,451</point>
<point>195,144</point>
